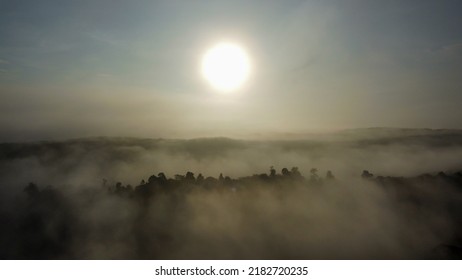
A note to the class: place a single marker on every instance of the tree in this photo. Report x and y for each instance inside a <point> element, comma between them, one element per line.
<point>329,175</point>
<point>162,177</point>
<point>314,178</point>
<point>152,179</point>
<point>366,174</point>
<point>295,172</point>
<point>190,176</point>
<point>272,171</point>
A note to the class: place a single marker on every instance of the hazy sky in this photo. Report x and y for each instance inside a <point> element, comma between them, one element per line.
<point>131,68</point>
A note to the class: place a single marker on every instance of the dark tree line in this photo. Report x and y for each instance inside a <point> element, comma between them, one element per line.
<point>161,182</point>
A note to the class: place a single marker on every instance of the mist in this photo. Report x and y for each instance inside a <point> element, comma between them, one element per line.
<point>104,198</point>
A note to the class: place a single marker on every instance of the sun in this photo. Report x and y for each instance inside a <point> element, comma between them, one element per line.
<point>226,66</point>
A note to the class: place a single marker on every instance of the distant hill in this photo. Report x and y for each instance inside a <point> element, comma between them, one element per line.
<point>387,151</point>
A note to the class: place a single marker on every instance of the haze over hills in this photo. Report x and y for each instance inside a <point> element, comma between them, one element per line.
<point>405,152</point>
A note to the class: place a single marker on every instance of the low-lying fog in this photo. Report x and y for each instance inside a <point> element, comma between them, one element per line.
<point>254,217</point>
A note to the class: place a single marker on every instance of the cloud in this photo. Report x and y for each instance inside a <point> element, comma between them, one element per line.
<point>445,52</point>
<point>452,48</point>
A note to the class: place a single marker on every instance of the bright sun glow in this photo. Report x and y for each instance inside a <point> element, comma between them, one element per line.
<point>226,66</point>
